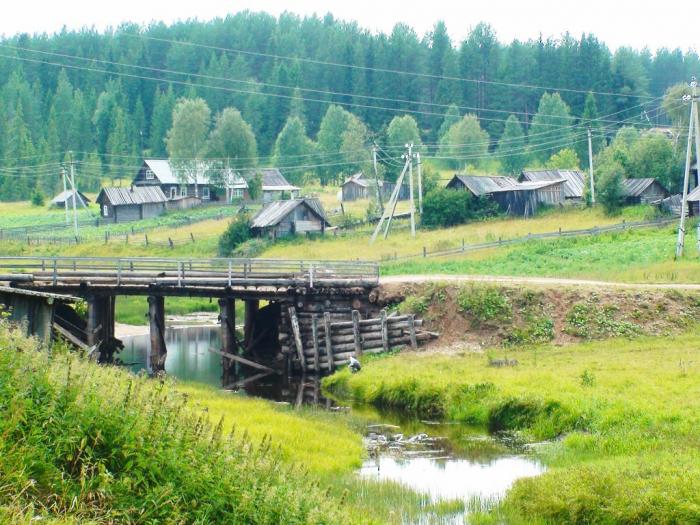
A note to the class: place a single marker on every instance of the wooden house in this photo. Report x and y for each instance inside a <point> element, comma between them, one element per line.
<point>572,186</point>
<point>388,188</point>
<point>512,197</point>
<point>66,198</point>
<point>643,191</point>
<point>131,204</point>
<point>175,183</point>
<point>275,186</point>
<point>356,187</point>
<point>289,217</point>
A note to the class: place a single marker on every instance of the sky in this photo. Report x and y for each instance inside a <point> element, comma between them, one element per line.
<point>634,23</point>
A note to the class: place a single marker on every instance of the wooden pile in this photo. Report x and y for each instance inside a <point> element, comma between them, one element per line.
<point>320,344</point>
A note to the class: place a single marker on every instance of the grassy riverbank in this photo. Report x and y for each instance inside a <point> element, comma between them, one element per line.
<point>624,415</point>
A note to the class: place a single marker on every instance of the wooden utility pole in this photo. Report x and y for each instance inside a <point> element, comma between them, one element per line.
<point>376,179</point>
<point>390,208</point>
<point>693,130</point>
<point>75,195</point>
<point>420,184</point>
<point>590,165</point>
<point>409,158</point>
<point>65,194</point>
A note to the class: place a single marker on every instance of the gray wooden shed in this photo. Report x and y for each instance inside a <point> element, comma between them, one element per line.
<point>643,191</point>
<point>131,204</point>
<point>355,187</point>
<point>282,218</point>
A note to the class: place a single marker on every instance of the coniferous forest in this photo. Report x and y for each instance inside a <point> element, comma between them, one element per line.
<point>108,97</point>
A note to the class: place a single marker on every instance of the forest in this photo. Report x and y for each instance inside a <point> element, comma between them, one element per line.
<point>311,95</point>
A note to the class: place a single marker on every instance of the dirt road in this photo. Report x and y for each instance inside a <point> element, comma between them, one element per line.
<point>540,281</point>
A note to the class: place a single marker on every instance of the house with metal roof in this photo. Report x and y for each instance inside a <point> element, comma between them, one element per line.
<point>65,198</point>
<point>512,197</point>
<point>289,217</point>
<point>643,191</point>
<point>176,182</point>
<point>355,187</point>
<point>131,203</point>
<point>574,181</point>
<point>275,186</point>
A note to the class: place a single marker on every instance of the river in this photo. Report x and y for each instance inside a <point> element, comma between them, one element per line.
<point>442,461</point>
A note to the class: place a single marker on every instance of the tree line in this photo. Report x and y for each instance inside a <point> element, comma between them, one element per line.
<point>78,91</point>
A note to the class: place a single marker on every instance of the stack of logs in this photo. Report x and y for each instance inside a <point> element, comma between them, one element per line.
<point>320,344</point>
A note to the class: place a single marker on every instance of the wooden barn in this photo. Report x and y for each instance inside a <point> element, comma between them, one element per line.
<point>162,174</point>
<point>643,191</point>
<point>275,186</point>
<point>282,218</point>
<point>131,204</point>
<point>66,198</point>
<point>512,197</point>
<point>572,187</point>
<point>388,189</point>
<point>356,187</point>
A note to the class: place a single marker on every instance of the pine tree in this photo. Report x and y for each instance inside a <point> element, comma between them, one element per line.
<point>589,121</point>
<point>161,121</point>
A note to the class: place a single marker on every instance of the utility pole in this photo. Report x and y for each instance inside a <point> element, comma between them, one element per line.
<point>420,185</point>
<point>376,178</point>
<point>692,130</point>
<point>409,158</point>
<point>390,209</point>
<point>65,193</point>
<point>75,194</point>
<point>590,165</point>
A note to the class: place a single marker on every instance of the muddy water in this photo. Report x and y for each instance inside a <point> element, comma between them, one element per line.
<point>443,461</point>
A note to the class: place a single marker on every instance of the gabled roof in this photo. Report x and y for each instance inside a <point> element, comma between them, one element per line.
<point>65,195</point>
<point>357,178</point>
<point>166,173</point>
<point>479,185</point>
<point>273,213</point>
<point>635,187</point>
<point>574,180</point>
<point>273,180</point>
<point>132,195</point>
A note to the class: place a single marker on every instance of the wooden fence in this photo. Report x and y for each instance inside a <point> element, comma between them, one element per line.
<point>560,233</point>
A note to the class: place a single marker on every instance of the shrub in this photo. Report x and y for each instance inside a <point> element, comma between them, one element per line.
<point>237,233</point>
<point>444,208</point>
<point>485,303</point>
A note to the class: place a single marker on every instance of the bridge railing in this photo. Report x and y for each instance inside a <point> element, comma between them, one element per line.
<point>183,272</point>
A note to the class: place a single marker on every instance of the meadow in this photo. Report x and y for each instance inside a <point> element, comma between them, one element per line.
<point>620,416</point>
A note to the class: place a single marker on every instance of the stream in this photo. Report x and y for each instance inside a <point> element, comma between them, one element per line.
<point>443,461</point>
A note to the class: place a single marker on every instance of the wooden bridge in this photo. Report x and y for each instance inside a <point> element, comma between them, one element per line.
<point>296,293</point>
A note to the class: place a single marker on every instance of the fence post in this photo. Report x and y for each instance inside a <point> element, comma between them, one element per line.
<point>145,235</point>
<point>55,273</point>
<point>559,230</point>
<point>127,238</point>
<point>192,236</point>
<point>229,273</point>
<point>170,241</point>
<point>499,241</point>
<point>356,332</point>
<point>462,243</point>
<point>425,252</point>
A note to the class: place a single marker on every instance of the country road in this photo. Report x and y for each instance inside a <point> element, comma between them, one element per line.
<point>540,281</point>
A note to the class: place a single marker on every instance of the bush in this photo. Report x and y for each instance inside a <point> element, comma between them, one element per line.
<point>237,233</point>
<point>444,208</point>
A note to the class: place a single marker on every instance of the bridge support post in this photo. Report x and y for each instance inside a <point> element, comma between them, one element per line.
<point>251,310</point>
<point>229,344</point>
<point>100,325</point>
<point>156,317</point>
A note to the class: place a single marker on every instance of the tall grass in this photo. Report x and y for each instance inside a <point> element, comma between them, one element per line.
<point>89,444</point>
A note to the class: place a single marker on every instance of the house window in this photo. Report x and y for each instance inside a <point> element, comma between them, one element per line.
<point>205,193</point>
<point>237,193</point>
<point>149,174</point>
<point>173,193</point>
<point>183,191</point>
<point>105,211</point>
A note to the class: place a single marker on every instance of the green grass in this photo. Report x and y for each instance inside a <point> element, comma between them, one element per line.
<point>631,256</point>
<point>81,443</point>
<point>624,412</point>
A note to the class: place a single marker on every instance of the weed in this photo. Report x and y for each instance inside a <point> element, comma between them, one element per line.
<point>484,304</point>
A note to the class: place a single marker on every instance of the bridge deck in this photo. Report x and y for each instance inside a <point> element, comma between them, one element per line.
<point>178,276</point>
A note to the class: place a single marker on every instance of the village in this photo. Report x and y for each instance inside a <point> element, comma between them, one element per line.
<point>418,265</point>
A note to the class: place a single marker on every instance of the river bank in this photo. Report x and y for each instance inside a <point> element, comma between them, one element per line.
<point>622,414</point>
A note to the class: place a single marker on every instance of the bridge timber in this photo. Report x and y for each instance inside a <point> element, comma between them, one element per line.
<point>285,333</point>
